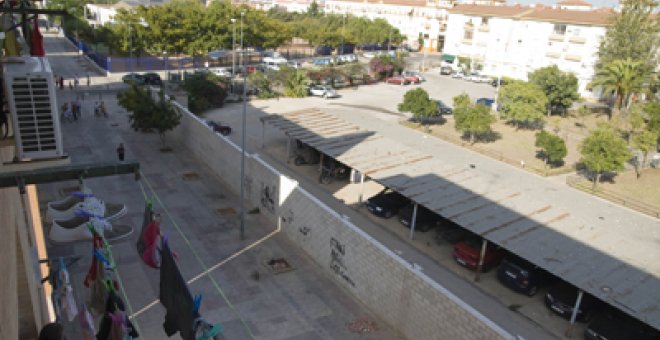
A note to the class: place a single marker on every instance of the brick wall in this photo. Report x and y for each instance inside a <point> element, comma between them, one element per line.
<point>393,289</point>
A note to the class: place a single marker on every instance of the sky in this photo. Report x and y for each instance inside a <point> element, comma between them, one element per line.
<point>595,3</point>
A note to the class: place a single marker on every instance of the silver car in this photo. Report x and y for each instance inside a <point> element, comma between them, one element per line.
<point>325,91</point>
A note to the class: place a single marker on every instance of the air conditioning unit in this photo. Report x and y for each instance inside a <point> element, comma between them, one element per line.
<point>30,91</point>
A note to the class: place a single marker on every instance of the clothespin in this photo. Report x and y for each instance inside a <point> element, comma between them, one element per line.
<point>197,302</point>
<point>109,286</point>
<point>102,258</point>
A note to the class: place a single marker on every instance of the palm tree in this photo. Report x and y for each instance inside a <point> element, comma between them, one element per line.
<point>295,84</point>
<point>623,77</point>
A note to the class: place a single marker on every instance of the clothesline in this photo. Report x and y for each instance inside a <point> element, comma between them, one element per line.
<point>192,249</point>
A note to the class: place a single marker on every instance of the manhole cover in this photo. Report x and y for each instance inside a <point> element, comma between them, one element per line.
<point>190,176</point>
<point>226,211</point>
<point>278,266</point>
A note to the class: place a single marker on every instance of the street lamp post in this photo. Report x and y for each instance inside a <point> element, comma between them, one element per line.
<point>243,136</point>
<point>233,51</point>
<point>130,50</point>
<point>167,66</point>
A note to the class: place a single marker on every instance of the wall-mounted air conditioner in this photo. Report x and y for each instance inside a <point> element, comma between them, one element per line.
<point>30,92</point>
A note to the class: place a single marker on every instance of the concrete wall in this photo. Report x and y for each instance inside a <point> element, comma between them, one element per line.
<point>398,293</point>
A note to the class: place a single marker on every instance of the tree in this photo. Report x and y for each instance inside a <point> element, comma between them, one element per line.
<point>633,33</point>
<point>560,87</point>
<point>630,123</point>
<point>470,118</point>
<point>652,111</point>
<point>263,84</point>
<point>418,102</point>
<point>645,142</point>
<point>148,114</point>
<point>523,104</point>
<point>553,148</point>
<point>622,78</point>
<point>205,90</point>
<point>295,82</point>
<point>314,10</point>
<point>385,65</point>
<point>603,151</point>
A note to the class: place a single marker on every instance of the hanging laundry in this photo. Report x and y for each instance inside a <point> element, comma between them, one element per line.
<point>87,329</point>
<point>111,319</point>
<point>10,43</point>
<point>118,329</point>
<point>95,279</point>
<point>176,297</point>
<point>151,237</point>
<point>147,218</point>
<point>37,41</point>
<point>67,301</point>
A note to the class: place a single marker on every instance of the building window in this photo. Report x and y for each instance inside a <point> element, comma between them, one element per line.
<point>559,29</point>
<point>468,35</point>
<point>484,21</point>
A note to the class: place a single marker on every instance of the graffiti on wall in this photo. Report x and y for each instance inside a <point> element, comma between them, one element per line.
<point>337,253</point>
<point>268,197</point>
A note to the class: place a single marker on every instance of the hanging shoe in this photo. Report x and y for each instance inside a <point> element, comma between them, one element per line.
<point>66,209</point>
<point>76,229</point>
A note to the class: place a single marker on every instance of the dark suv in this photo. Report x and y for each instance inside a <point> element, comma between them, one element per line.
<point>426,219</point>
<point>614,325</point>
<point>520,275</point>
<point>386,203</point>
<point>561,299</point>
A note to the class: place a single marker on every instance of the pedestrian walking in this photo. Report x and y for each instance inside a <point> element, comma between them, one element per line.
<point>76,81</point>
<point>120,152</point>
<point>89,79</point>
<point>97,109</point>
<point>61,82</point>
<point>70,85</point>
<point>102,109</point>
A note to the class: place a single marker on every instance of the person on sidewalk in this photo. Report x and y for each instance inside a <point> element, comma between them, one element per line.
<point>89,80</point>
<point>102,109</point>
<point>120,152</point>
<point>61,82</point>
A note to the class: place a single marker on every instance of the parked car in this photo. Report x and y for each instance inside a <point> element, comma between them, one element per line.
<point>458,75</point>
<point>346,58</point>
<point>443,109</point>
<point>324,50</point>
<point>482,78</point>
<point>151,78</point>
<point>218,127</point>
<point>323,61</point>
<point>520,275</point>
<point>426,219</point>
<point>466,253</point>
<point>133,78</point>
<point>614,325</point>
<point>451,233</point>
<point>561,298</point>
<point>325,91</point>
<point>414,74</point>
<point>386,203</point>
<point>217,54</point>
<point>294,64</point>
<point>446,70</point>
<point>397,80</point>
<point>472,76</point>
<point>221,71</point>
<point>485,101</point>
<point>502,82</point>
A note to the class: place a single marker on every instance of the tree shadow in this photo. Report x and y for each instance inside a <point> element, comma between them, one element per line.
<point>485,137</point>
<point>540,154</point>
<point>537,125</point>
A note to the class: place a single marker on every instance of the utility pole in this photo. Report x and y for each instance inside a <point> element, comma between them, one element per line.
<point>233,50</point>
<point>243,137</point>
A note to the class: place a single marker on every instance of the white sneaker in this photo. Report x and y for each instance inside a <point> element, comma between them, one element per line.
<point>76,229</point>
<point>66,209</point>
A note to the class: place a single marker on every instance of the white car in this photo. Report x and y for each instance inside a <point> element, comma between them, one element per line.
<point>325,91</point>
<point>482,78</point>
<point>221,71</point>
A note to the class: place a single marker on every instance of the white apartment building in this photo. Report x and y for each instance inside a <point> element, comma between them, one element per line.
<point>514,40</point>
<point>100,14</point>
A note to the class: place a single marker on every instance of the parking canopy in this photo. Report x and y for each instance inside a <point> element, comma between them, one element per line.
<point>606,250</point>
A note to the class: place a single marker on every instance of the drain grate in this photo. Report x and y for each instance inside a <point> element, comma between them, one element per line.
<point>226,211</point>
<point>190,176</point>
<point>279,266</point>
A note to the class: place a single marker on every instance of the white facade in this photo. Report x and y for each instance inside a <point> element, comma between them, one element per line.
<point>99,15</point>
<point>515,44</point>
<point>410,17</point>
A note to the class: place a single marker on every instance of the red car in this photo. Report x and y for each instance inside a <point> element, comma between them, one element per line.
<point>466,253</point>
<point>397,80</point>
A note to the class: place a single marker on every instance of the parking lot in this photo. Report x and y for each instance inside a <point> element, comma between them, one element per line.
<point>373,107</point>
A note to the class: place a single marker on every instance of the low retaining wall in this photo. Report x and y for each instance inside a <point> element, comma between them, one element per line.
<point>392,288</point>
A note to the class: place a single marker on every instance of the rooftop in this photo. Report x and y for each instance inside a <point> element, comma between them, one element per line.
<point>598,17</point>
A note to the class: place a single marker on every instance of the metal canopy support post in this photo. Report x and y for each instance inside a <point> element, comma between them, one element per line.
<point>362,176</point>
<point>288,148</point>
<point>66,173</point>
<point>413,221</point>
<point>482,254</point>
<point>578,301</point>
<point>321,162</point>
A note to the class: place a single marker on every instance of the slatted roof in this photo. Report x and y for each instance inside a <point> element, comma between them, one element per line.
<point>617,261</point>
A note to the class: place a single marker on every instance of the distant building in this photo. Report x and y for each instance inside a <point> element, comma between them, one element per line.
<point>514,40</point>
<point>99,14</point>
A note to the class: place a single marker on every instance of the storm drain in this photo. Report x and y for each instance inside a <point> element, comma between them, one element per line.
<point>279,266</point>
<point>190,176</point>
<point>226,211</point>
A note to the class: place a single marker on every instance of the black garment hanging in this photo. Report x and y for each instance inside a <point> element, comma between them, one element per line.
<point>112,304</point>
<point>176,297</point>
<point>146,219</point>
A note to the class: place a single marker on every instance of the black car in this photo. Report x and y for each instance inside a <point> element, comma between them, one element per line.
<point>386,203</point>
<point>520,275</point>
<point>614,325</point>
<point>133,78</point>
<point>502,82</point>
<point>561,299</point>
<point>443,109</point>
<point>426,219</point>
<point>152,79</point>
<point>451,233</point>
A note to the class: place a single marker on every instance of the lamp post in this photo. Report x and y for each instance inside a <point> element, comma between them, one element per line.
<point>130,49</point>
<point>243,136</point>
<point>233,51</point>
<point>167,66</point>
